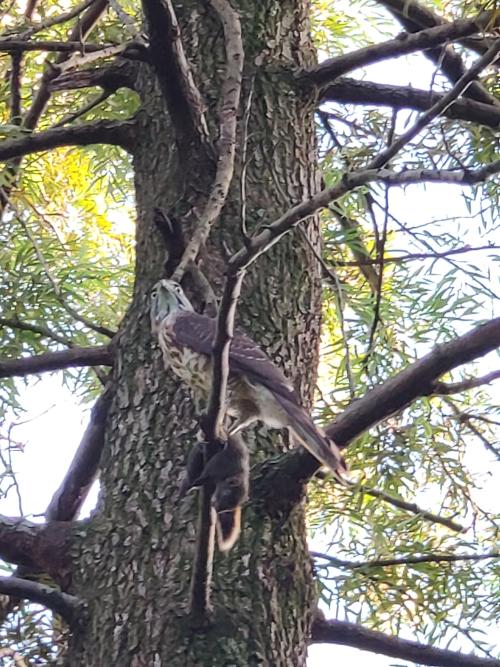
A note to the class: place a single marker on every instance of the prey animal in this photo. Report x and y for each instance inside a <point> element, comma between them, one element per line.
<point>229,473</point>
<point>257,388</point>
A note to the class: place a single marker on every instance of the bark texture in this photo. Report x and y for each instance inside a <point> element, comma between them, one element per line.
<point>133,557</point>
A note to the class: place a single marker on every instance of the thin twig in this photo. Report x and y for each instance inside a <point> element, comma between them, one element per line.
<point>228,116</point>
<point>404,560</point>
<point>447,388</point>
<point>411,257</point>
<point>384,156</point>
<point>15,88</point>
<point>413,508</point>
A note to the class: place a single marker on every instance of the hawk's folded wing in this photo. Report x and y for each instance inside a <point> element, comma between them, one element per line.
<point>246,358</point>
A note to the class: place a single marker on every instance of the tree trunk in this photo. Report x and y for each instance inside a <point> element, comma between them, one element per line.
<point>133,557</point>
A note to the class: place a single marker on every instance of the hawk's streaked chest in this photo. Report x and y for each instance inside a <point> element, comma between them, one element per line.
<point>192,368</point>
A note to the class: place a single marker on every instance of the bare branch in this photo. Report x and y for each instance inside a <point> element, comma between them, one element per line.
<point>50,361</point>
<point>329,70</point>
<point>56,20</point>
<point>19,45</point>
<point>67,606</point>
<point>213,421</point>
<point>117,133</point>
<point>351,634</point>
<point>271,234</point>
<point>70,496</point>
<point>354,91</point>
<point>415,17</point>
<point>384,156</point>
<point>45,332</point>
<point>417,256</point>
<point>183,98</point>
<point>228,116</point>
<point>404,560</point>
<point>15,88</point>
<point>111,77</point>
<point>448,388</point>
<point>36,546</point>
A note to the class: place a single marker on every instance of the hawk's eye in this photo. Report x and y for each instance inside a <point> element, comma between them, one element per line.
<point>154,293</point>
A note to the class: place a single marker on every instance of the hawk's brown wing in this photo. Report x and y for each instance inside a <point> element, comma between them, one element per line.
<point>246,358</point>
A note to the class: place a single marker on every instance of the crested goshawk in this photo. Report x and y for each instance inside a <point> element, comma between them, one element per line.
<point>257,388</point>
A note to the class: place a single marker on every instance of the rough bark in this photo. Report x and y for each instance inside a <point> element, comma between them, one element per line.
<point>133,558</point>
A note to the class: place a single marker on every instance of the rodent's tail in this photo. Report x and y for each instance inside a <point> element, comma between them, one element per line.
<point>228,525</point>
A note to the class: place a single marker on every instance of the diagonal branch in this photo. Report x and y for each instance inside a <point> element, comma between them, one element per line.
<point>117,133</point>
<point>50,361</point>
<point>447,388</point>
<point>413,508</point>
<point>67,606</point>
<point>44,332</point>
<point>70,496</point>
<point>329,70</point>
<point>351,634</point>
<point>228,116</point>
<point>415,17</point>
<point>354,91</point>
<point>183,98</point>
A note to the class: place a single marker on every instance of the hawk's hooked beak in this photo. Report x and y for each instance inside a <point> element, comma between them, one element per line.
<point>167,296</point>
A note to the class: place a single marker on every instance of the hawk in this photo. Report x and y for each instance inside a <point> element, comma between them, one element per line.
<point>257,389</point>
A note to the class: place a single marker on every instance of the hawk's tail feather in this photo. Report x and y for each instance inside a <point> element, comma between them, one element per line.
<point>228,528</point>
<point>312,437</point>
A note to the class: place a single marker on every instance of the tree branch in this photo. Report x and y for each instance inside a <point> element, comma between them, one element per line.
<point>35,546</point>
<point>183,98</point>
<point>45,332</point>
<point>19,45</point>
<point>67,606</point>
<point>419,17</point>
<point>329,70</point>
<point>118,74</point>
<point>413,508</point>
<point>417,256</point>
<point>351,634</point>
<point>70,496</point>
<point>117,133</point>
<point>354,91</point>
<point>50,361</point>
<point>271,234</point>
<point>228,116</point>
<point>213,421</point>
<point>447,388</point>
<point>414,17</point>
<point>406,560</point>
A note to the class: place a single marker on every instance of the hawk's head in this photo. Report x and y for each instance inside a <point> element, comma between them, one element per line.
<point>167,296</point>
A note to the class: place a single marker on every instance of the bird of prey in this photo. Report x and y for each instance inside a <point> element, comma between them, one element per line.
<point>229,473</point>
<point>257,388</point>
